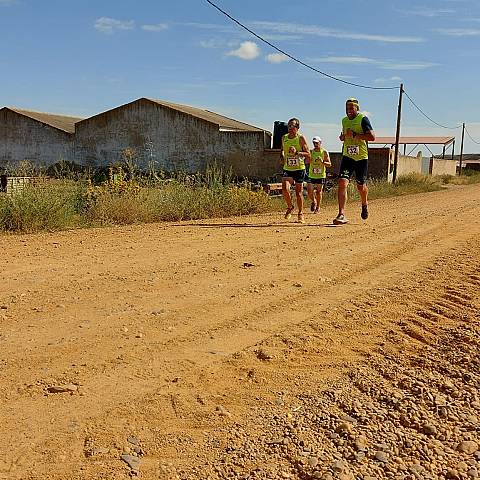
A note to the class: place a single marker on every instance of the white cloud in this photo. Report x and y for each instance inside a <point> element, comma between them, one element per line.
<point>159,27</point>
<point>383,64</point>
<point>351,60</point>
<point>276,58</point>
<point>212,43</point>
<point>281,38</point>
<point>427,12</point>
<point>229,83</point>
<point>109,25</point>
<point>459,32</point>
<point>387,80</point>
<point>217,43</point>
<point>246,51</point>
<point>390,65</point>
<point>209,26</point>
<point>297,29</point>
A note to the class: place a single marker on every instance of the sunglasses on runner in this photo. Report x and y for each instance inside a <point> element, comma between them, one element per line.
<point>292,125</point>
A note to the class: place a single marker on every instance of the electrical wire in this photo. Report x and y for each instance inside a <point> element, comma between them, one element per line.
<point>292,57</point>
<point>474,141</point>
<point>426,116</point>
<point>283,52</point>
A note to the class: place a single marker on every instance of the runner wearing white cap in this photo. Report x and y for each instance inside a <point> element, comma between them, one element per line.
<point>317,173</point>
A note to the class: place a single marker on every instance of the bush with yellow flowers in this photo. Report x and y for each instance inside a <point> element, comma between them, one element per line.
<point>115,186</point>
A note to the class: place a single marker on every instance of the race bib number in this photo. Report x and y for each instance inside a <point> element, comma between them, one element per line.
<point>317,170</point>
<point>293,162</point>
<point>353,150</point>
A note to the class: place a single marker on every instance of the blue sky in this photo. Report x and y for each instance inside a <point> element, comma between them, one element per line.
<point>86,56</point>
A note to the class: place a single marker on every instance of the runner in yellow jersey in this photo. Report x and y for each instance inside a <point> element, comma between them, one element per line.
<point>317,173</point>
<point>294,152</point>
<point>357,131</point>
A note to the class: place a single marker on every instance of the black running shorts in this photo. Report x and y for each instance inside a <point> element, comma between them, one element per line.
<point>349,166</point>
<point>297,175</point>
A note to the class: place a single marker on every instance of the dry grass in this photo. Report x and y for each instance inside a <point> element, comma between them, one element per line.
<point>65,204</point>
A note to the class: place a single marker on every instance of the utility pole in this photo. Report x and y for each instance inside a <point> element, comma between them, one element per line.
<point>461,148</point>
<point>397,137</point>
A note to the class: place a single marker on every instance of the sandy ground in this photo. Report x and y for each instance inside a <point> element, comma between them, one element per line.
<point>167,336</point>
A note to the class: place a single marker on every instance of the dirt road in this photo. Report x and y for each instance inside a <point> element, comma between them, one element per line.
<point>178,344</point>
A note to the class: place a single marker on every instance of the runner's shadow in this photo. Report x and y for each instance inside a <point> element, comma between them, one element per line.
<point>255,225</point>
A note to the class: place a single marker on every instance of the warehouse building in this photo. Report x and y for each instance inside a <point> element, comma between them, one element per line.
<point>40,138</point>
<point>172,137</point>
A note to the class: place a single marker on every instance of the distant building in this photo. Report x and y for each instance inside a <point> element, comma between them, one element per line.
<point>162,136</point>
<point>41,138</point>
<point>172,137</point>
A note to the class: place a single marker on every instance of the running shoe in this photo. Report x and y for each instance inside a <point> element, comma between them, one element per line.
<point>364,212</point>
<point>300,218</point>
<point>288,213</point>
<point>340,219</point>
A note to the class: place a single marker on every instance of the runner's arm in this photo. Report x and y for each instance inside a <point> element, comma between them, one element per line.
<point>368,133</point>
<point>282,155</point>
<point>326,159</point>
<point>305,150</point>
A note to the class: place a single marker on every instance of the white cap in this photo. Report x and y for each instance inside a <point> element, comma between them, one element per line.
<point>316,140</point>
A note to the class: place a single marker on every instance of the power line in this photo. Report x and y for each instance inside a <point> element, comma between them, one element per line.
<point>426,116</point>
<point>292,57</point>
<point>474,141</point>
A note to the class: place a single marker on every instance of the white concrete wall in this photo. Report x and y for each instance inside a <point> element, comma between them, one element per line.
<point>22,138</point>
<point>445,166</point>
<point>405,165</point>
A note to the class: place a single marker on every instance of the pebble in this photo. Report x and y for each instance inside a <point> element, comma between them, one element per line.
<point>429,429</point>
<point>338,466</point>
<point>468,447</point>
<point>344,427</point>
<point>381,456</point>
<point>132,461</point>
<point>222,411</point>
<point>361,443</point>
<point>473,473</point>
<point>68,388</point>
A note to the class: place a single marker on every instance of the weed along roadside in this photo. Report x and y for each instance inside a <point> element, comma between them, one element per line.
<point>122,197</point>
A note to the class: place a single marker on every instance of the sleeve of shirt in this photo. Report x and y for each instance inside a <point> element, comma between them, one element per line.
<point>366,125</point>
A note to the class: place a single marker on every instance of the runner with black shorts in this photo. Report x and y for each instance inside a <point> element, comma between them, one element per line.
<point>294,152</point>
<point>317,173</point>
<point>356,132</point>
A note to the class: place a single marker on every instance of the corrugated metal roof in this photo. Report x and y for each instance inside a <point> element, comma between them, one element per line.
<point>415,140</point>
<point>60,122</point>
<point>225,123</point>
